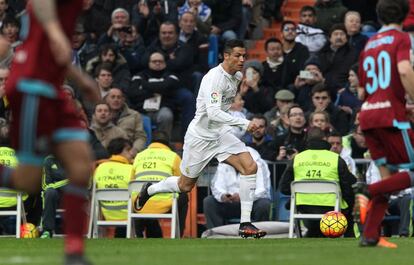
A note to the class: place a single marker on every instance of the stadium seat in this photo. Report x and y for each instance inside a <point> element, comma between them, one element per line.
<point>313,187</point>
<point>19,213</point>
<point>135,186</point>
<point>106,195</point>
<point>146,123</point>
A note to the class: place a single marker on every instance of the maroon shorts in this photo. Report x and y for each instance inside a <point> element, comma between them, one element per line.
<point>391,146</point>
<point>41,115</point>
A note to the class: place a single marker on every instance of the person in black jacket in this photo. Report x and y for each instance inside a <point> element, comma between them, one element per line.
<point>154,82</point>
<point>316,142</point>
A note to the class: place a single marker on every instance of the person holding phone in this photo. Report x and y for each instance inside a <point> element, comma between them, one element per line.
<point>258,98</point>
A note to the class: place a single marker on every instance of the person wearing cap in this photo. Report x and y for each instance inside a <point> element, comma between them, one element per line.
<point>336,58</point>
<point>302,86</point>
<point>258,98</point>
<point>283,97</point>
<point>317,162</point>
<point>295,53</point>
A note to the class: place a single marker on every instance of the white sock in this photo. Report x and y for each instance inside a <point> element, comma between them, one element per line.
<point>169,184</point>
<point>247,189</point>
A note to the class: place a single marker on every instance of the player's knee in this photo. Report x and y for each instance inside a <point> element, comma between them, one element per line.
<point>80,174</point>
<point>249,169</point>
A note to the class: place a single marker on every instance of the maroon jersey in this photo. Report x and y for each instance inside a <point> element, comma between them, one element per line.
<point>384,105</point>
<point>33,59</point>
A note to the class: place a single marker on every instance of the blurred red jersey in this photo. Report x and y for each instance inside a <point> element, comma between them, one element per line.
<point>384,105</point>
<point>33,59</point>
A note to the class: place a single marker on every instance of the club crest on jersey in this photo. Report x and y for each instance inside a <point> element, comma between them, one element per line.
<point>214,97</point>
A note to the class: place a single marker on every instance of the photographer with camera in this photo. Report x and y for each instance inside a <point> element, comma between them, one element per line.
<point>284,147</point>
<point>119,20</point>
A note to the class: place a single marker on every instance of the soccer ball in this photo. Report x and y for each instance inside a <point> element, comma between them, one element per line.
<point>333,224</point>
<point>29,230</point>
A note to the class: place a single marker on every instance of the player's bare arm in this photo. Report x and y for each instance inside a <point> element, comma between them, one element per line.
<point>407,76</point>
<point>86,84</point>
<point>45,12</point>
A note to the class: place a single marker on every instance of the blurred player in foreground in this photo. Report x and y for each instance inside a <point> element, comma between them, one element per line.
<point>44,120</point>
<point>386,75</point>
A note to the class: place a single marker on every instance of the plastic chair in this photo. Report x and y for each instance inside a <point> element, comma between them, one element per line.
<point>19,213</point>
<point>106,195</point>
<point>312,187</point>
<point>146,123</point>
<point>135,186</point>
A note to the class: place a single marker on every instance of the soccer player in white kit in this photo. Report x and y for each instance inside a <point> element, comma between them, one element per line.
<point>210,135</point>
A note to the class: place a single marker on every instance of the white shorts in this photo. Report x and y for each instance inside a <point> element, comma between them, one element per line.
<point>197,152</point>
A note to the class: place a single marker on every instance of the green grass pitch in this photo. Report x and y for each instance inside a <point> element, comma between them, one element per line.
<point>210,252</point>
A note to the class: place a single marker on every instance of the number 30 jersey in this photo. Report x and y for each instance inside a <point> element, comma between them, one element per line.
<point>384,104</point>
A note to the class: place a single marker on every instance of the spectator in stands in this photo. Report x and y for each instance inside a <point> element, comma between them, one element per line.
<point>259,139</point>
<point>335,140</point>
<point>321,101</point>
<point>83,48</point>
<point>295,54</point>
<point>328,13</point>
<point>5,11</point>
<point>347,97</point>
<point>163,163</point>
<point>258,98</point>
<point>226,18</point>
<point>280,126</point>
<point>317,162</point>
<point>115,173</point>
<point>224,204</point>
<point>273,66</point>
<point>94,19</point>
<point>132,48</point>
<point>4,111</point>
<point>103,76</point>
<point>10,30</point>
<point>302,87</point>
<point>308,34</point>
<point>199,43</point>
<point>103,126</point>
<point>153,85</point>
<point>127,119</point>
<point>237,110</point>
<point>108,53</point>
<point>293,141</point>
<point>399,203</point>
<point>355,141</point>
<point>353,28</point>
<point>320,119</point>
<point>336,58</point>
<point>150,14</point>
<point>201,12</point>
<point>53,182</point>
<point>283,97</point>
<point>251,16</point>
<point>119,20</point>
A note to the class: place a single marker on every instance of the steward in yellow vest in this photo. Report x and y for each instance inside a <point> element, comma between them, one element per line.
<point>318,163</point>
<point>8,196</point>
<point>115,173</point>
<point>157,163</point>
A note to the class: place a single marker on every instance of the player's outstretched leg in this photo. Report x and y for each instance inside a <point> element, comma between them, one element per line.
<point>247,230</point>
<point>361,202</point>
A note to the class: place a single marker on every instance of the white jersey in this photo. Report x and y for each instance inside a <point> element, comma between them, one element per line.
<point>217,91</point>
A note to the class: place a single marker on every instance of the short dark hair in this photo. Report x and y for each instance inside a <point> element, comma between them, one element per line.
<point>10,20</point>
<point>117,145</point>
<point>105,48</point>
<point>308,8</point>
<point>286,22</point>
<point>293,106</point>
<point>230,44</point>
<point>338,26</point>
<point>100,103</point>
<point>102,66</point>
<point>169,23</point>
<point>335,133</point>
<point>319,87</point>
<point>393,11</point>
<point>315,134</point>
<point>160,137</point>
<point>271,40</point>
<point>260,116</point>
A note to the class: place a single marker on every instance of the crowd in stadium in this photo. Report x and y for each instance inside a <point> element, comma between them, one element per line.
<point>148,58</point>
